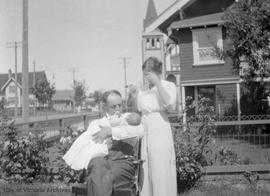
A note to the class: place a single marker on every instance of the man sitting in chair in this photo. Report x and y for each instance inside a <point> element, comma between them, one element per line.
<point>117,168</point>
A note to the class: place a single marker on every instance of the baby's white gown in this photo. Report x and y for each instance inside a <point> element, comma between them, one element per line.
<point>84,149</point>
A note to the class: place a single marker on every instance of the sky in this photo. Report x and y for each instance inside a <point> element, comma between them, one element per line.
<point>87,36</point>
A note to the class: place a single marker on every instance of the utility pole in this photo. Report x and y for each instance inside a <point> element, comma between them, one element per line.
<point>15,45</point>
<point>73,70</point>
<point>34,84</point>
<point>34,73</point>
<point>125,78</point>
<point>25,74</point>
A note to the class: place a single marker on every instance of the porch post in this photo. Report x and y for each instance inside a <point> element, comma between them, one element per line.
<point>238,101</point>
<point>183,105</point>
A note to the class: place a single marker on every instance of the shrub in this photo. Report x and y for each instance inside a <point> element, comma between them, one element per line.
<point>227,157</point>
<point>65,173</point>
<point>22,158</point>
<point>189,163</point>
<point>192,145</point>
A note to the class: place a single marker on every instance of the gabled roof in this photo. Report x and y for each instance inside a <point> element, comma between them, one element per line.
<point>206,20</point>
<point>4,78</point>
<point>169,12</point>
<point>63,95</point>
<point>7,83</point>
<point>151,14</point>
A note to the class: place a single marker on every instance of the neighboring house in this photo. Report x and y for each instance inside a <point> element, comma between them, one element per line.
<point>63,100</point>
<point>196,33</point>
<point>8,87</point>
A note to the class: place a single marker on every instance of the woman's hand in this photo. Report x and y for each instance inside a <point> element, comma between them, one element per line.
<point>152,78</point>
<point>133,89</point>
<point>132,97</point>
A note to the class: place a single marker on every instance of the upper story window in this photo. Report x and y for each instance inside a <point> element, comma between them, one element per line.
<point>153,43</point>
<point>174,50</point>
<point>207,46</point>
<point>147,43</point>
<point>12,89</point>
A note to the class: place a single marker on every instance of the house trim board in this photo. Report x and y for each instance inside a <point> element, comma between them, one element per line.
<point>9,80</point>
<point>212,81</point>
<point>177,6</point>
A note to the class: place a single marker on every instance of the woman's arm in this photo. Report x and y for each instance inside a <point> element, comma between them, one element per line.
<point>164,95</point>
<point>132,98</point>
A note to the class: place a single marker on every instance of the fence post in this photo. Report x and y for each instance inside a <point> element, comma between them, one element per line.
<point>85,123</point>
<point>61,127</point>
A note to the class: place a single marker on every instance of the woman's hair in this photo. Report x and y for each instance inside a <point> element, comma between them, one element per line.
<point>153,64</point>
<point>108,93</point>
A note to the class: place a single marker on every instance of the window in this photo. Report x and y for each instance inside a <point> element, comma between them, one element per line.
<point>147,43</point>
<point>207,46</point>
<point>173,51</point>
<point>207,92</point>
<point>157,43</point>
<point>177,49</point>
<point>12,89</point>
<point>153,43</point>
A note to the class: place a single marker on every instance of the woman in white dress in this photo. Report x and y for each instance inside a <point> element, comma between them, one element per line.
<point>157,146</point>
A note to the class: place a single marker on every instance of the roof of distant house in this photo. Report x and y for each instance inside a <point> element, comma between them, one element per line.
<point>63,95</point>
<point>211,19</point>
<point>6,77</point>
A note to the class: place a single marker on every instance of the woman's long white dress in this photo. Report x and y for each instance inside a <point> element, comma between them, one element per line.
<point>157,146</point>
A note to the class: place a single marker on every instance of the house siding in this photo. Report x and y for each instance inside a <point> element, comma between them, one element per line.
<point>9,95</point>
<point>202,72</point>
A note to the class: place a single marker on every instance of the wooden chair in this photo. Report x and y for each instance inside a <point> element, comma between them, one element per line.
<point>136,184</point>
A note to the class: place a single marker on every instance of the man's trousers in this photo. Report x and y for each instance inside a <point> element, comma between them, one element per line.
<point>108,173</point>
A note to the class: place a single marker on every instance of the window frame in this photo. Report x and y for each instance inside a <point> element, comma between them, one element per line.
<point>195,44</point>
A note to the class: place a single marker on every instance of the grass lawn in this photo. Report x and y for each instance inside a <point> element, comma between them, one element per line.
<point>257,154</point>
<point>224,188</point>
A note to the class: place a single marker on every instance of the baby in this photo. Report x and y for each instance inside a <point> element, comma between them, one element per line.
<point>84,149</point>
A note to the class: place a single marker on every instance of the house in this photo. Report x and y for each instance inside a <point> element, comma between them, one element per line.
<point>63,100</point>
<point>196,38</point>
<point>8,87</point>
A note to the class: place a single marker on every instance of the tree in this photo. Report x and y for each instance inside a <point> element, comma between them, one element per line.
<point>247,27</point>
<point>98,96</point>
<point>3,102</point>
<point>43,91</point>
<point>79,92</point>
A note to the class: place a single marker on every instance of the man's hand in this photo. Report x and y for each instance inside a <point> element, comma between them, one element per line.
<point>103,134</point>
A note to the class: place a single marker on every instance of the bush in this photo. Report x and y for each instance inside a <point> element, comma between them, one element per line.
<point>22,158</point>
<point>192,145</point>
<point>65,173</point>
<point>227,157</point>
<point>189,163</point>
